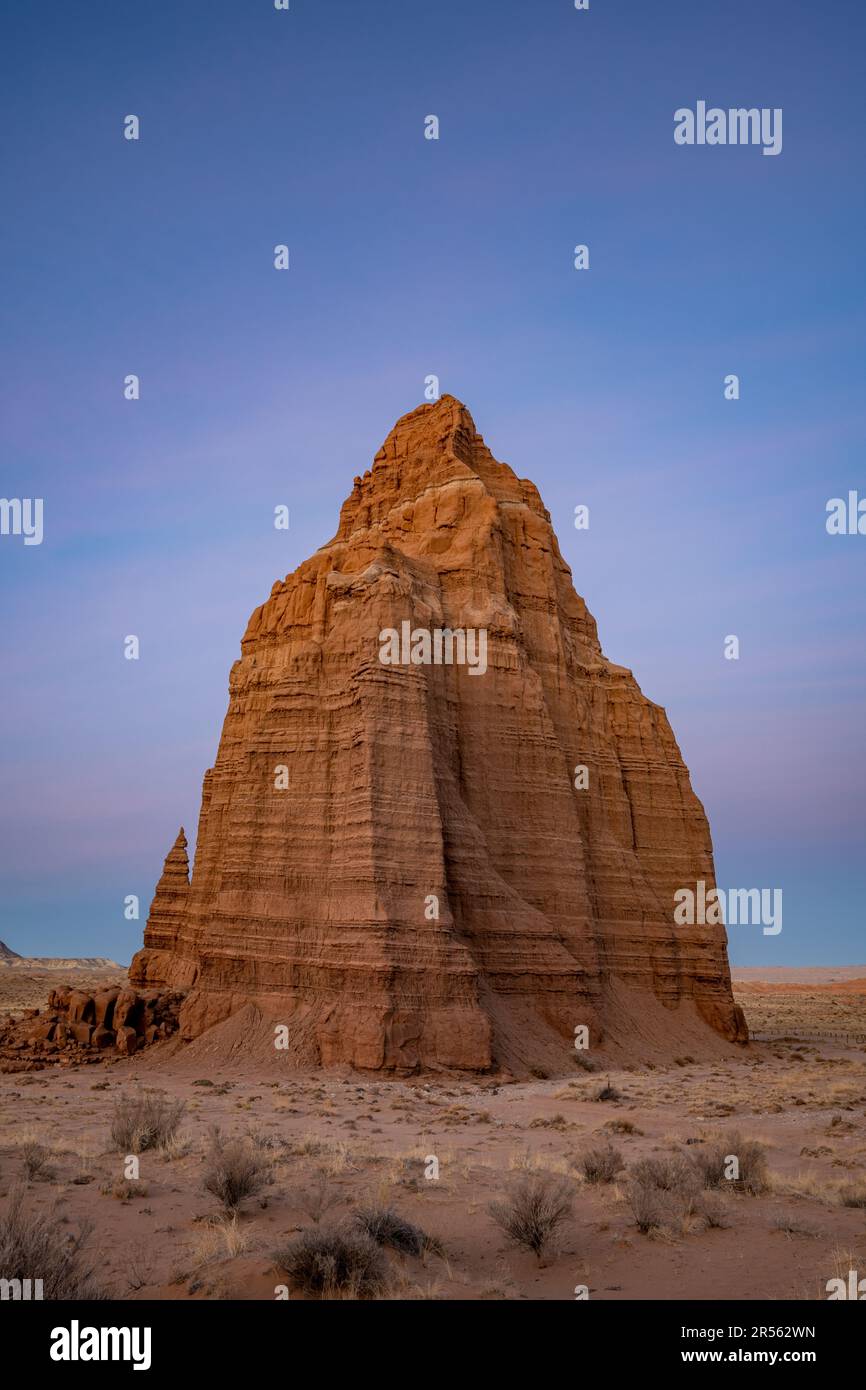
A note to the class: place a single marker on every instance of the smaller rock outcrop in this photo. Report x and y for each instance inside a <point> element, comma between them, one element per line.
<point>82,1027</point>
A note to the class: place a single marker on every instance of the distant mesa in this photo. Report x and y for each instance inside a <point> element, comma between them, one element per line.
<point>799,974</point>
<point>13,960</point>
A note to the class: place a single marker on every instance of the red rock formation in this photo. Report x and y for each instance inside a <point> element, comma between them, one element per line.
<point>348,794</point>
<point>79,1027</point>
<point>167,911</point>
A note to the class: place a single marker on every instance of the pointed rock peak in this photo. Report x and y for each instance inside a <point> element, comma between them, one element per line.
<point>434,445</point>
<point>441,427</point>
<point>176,861</point>
<point>444,416</point>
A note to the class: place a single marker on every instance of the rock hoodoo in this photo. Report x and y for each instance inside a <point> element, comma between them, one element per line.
<point>394,860</point>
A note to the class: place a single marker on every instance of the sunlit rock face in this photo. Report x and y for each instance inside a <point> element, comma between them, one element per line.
<point>395,858</point>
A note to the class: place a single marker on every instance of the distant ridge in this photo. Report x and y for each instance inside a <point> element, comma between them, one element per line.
<point>797,974</point>
<point>11,960</point>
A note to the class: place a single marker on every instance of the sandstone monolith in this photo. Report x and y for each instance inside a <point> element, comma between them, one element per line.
<point>396,861</point>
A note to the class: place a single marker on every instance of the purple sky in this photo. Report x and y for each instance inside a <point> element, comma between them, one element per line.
<point>412,257</point>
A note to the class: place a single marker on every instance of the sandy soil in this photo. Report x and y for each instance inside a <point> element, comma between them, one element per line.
<point>357,1140</point>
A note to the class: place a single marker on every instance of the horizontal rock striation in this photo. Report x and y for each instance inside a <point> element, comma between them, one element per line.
<point>393,860</point>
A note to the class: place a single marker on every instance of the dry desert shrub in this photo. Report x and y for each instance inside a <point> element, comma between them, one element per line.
<point>318,1198</point>
<point>534,1210</point>
<point>662,1192</point>
<point>35,1160</point>
<point>234,1170</point>
<point>38,1246</point>
<point>838,1265</point>
<point>670,1174</point>
<point>145,1121</point>
<point>271,1142</point>
<point>386,1226</point>
<point>792,1226</point>
<point>712,1163</point>
<point>408,1170</point>
<point>713,1209</point>
<point>341,1158</point>
<point>607,1092</point>
<point>139,1266</point>
<point>843,1261</point>
<point>335,1263</point>
<point>601,1165</point>
<point>654,1209</point>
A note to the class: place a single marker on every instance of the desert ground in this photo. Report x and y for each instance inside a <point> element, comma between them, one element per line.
<point>804,1001</point>
<point>332,1152</point>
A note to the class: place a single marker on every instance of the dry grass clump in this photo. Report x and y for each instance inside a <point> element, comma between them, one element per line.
<point>526,1161</point>
<point>335,1263</point>
<point>220,1239</point>
<point>235,1170</point>
<point>853,1195</point>
<point>622,1127</point>
<point>713,1163</point>
<point>38,1246</point>
<point>175,1146</point>
<point>534,1210</point>
<point>145,1121</point>
<point>386,1226</point>
<point>336,1158</point>
<point>123,1189</point>
<point>601,1165</point>
<point>306,1146</point>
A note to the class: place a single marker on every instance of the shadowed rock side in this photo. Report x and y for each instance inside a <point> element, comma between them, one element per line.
<point>312,903</point>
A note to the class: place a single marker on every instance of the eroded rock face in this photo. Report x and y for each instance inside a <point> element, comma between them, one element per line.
<point>351,800</point>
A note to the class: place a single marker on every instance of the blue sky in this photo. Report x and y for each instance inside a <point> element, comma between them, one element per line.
<point>411,257</point>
